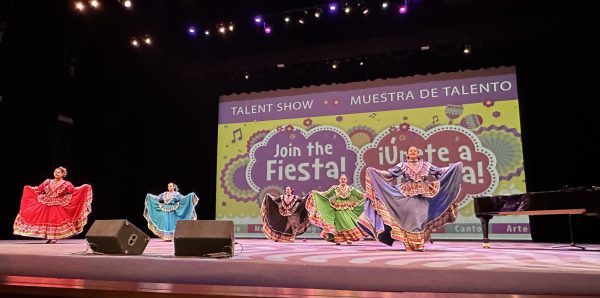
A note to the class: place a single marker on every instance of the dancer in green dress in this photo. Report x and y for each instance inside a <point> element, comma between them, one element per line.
<point>336,212</point>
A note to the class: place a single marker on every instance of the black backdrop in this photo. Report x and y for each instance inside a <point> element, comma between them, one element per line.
<point>144,117</point>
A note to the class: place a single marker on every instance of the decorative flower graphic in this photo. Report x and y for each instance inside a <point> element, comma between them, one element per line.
<point>361,135</point>
<point>255,138</point>
<point>505,143</point>
<point>488,103</point>
<point>307,122</point>
<point>234,182</point>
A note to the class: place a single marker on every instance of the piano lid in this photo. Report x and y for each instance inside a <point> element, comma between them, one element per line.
<point>570,198</point>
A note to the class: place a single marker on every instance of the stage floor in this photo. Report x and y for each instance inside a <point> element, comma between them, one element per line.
<point>446,266</point>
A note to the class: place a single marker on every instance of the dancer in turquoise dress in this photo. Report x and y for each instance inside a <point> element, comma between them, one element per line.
<point>163,211</point>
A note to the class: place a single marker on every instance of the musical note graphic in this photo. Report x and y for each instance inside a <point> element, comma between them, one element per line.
<point>239,130</point>
<point>372,115</point>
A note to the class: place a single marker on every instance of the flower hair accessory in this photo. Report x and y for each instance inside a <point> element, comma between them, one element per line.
<point>64,170</point>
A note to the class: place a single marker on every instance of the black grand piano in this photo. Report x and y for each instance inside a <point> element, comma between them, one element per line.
<point>570,201</point>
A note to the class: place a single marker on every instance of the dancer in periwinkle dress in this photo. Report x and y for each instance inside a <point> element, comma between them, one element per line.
<point>426,199</point>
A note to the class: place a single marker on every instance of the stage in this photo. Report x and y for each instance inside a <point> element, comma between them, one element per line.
<point>445,267</point>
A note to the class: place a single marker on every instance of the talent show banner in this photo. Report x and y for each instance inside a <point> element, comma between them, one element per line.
<point>307,137</point>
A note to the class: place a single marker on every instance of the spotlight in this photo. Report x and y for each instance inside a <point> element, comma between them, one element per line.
<point>134,42</point>
<point>258,19</point>
<point>268,29</point>
<point>347,9</point>
<point>301,21</point>
<point>95,3</point>
<point>126,3</point>
<point>333,7</point>
<point>403,9</point>
<point>384,5</point>
<point>287,19</point>
<point>246,76</point>
<point>335,64</point>
<point>365,10</point>
<point>221,28</point>
<point>207,32</point>
<point>467,50</point>
<point>79,6</point>
<point>147,39</point>
<point>230,27</point>
<point>318,13</point>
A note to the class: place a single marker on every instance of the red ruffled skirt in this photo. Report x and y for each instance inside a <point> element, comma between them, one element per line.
<point>62,220</point>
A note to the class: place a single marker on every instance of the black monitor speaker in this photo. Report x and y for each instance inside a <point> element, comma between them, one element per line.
<point>204,238</point>
<point>116,236</point>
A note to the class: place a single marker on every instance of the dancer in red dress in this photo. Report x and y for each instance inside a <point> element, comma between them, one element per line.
<point>53,210</point>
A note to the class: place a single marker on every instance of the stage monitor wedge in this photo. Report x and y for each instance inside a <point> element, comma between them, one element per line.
<point>116,236</point>
<point>204,238</point>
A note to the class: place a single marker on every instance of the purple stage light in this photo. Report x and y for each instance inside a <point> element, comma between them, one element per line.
<point>268,29</point>
<point>192,30</point>
<point>403,9</point>
<point>258,19</point>
<point>333,7</point>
